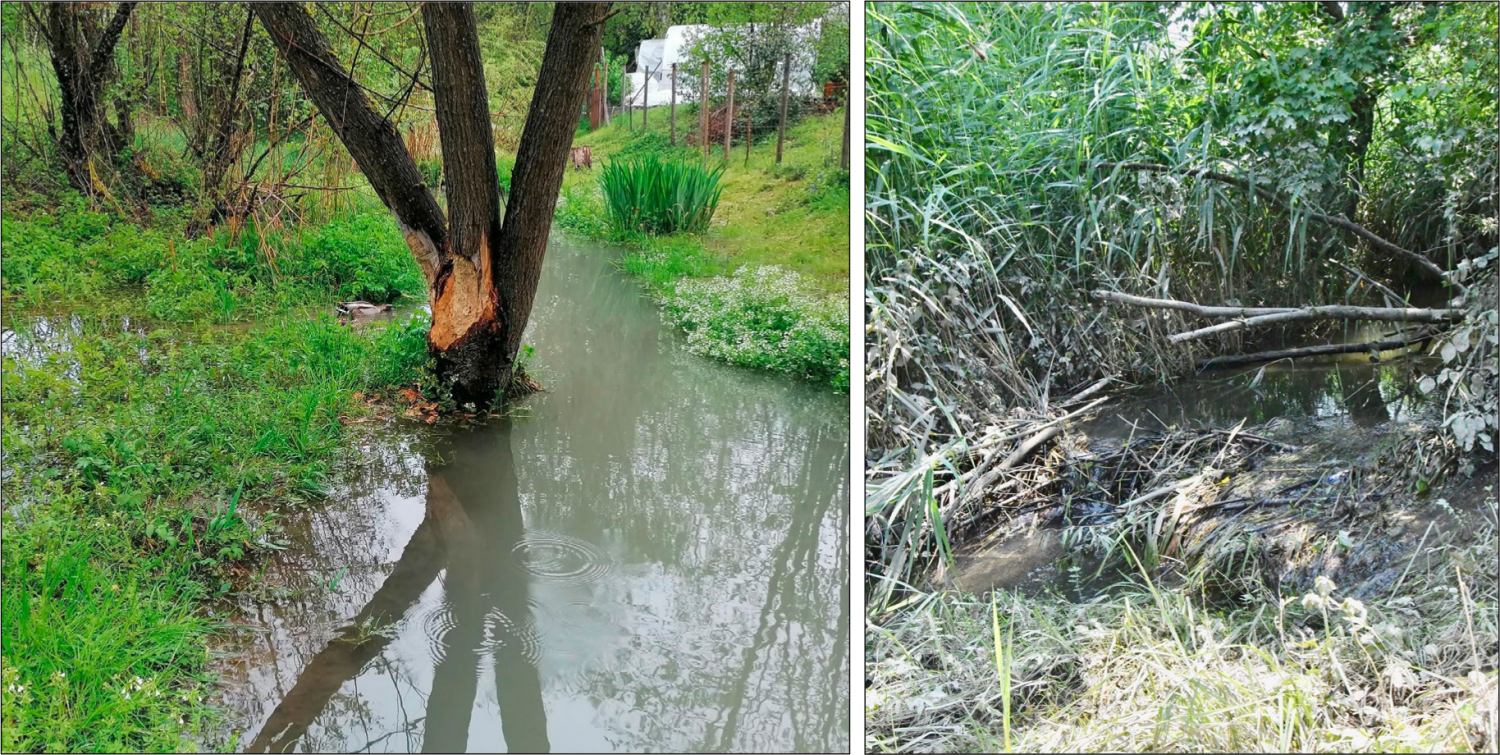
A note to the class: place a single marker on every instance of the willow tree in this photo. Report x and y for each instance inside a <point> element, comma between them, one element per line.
<point>481,272</point>
<point>83,58</point>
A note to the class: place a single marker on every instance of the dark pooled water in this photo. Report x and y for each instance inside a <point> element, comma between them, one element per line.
<point>651,555</point>
<point>1344,395</point>
<point>1348,386</point>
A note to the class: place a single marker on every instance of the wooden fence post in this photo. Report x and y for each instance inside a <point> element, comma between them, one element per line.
<point>645,97</point>
<point>844,154</point>
<point>604,97</point>
<point>596,102</point>
<point>674,104</point>
<point>703,110</point>
<point>729,118</point>
<point>786,85</point>
<point>749,137</point>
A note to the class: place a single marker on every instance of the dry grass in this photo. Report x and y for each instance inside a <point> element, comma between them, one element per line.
<point>1144,668</point>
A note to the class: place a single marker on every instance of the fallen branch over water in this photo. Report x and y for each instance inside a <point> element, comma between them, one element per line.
<point>1311,351</point>
<point>1251,316</point>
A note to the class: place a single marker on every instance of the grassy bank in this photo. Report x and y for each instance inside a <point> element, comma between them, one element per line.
<point>766,286</point>
<point>136,436</point>
<point>1273,588</point>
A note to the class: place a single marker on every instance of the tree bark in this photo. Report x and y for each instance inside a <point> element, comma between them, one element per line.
<point>84,69</point>
<point>371,140</point>
<point>467,337</point>
<point>1236,360</point>
<point>185,88</point>
<point>481,272</point>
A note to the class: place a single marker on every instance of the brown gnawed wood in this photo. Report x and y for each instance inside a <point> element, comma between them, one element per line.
<point>463,339</point>
<point>422,247</point>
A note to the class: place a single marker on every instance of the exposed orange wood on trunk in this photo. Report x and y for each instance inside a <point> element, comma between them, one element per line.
<point>463,299</point>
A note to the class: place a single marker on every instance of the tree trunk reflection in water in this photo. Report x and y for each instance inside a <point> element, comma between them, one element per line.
<point>473,529</point>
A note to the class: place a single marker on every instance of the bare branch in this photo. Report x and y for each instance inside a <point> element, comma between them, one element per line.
<point>1250,316</point>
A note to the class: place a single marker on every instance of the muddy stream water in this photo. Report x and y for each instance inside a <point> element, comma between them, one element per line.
<point>649,555</point>
<point>1344,403</point>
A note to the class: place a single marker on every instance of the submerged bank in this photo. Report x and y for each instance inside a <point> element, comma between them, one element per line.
<point>131,454</point>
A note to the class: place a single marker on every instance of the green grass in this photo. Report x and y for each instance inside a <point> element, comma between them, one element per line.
<point>766,285</point>
<point>795,215</point>
<point>75,256</point>
<point>140,437</point>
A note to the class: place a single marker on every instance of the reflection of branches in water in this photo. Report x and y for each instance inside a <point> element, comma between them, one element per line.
<point>658,442</point>
<point>410,729</point>
<point>709,515</point>
<point>734,681</point>
<point>721,495</point>
<point>356,530</point>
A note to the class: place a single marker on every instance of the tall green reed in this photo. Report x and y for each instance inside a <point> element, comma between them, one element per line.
<point>658,194</point>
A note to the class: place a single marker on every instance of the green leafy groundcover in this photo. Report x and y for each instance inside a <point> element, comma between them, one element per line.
<point>764,317</point>
<point>131,453</point>
<point>78,256</point>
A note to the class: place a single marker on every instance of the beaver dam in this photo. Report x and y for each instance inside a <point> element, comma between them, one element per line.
<point>1181,380</point>
<point>1160,550</point>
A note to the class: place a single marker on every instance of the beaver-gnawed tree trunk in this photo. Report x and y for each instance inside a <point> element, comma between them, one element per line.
<point>83,59</point>
<point>481,273</point>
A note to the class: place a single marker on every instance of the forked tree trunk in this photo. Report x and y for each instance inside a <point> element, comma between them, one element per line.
<point>467,336</point>
<point>542,159</point>
<point>481,273</point>
<point>83,59</point>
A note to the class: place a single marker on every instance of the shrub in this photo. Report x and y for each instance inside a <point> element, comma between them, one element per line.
<point>362,257</point>
<point>659,195</point>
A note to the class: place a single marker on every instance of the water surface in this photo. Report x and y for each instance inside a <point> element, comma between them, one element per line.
<point>1367,392</point>
<point>1348,395</point>
<point>650,555</point>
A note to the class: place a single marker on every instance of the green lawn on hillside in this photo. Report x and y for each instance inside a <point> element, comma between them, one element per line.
<point>795,215</point>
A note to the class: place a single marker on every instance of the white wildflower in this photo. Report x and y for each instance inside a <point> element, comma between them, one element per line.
<point>1324,586</point>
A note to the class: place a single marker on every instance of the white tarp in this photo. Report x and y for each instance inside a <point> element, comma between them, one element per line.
<point>654,57</point>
